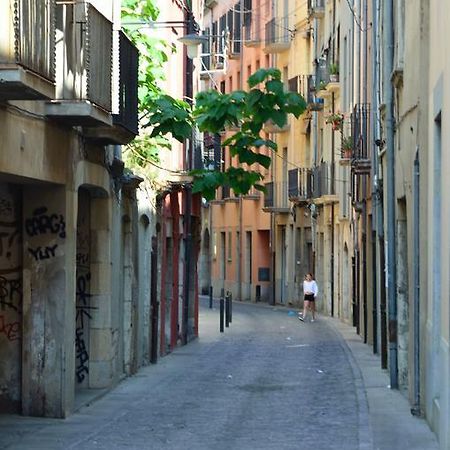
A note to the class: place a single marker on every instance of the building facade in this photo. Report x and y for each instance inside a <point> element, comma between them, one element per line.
<point>357,191</point>
<point>75,312</point>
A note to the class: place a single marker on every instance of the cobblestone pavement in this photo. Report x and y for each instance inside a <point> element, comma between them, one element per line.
<point>268,382</point>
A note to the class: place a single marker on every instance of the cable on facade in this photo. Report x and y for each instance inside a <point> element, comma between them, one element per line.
<point>357,20</point>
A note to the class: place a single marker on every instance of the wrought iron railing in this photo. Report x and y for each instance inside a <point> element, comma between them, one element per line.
<point>98,58</point>
<point>303,85</point>
<point>252,24</point>
<point>128,85</point>
<point>27,35</point>
<point>277,31</point>
<point>92,63</point>
<point>269,195</point>
<point>300,183</point>
<point>360,125</point>
<point>323,180</point>
<point>315,5</point>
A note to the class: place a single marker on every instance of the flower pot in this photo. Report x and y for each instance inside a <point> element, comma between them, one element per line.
<point>334,78</point>
<point>347,153</point>
<point>336,125</point>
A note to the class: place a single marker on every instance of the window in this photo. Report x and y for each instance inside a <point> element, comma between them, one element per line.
<point>230,247</point>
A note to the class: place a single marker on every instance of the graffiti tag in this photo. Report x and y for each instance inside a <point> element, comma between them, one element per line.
<point>41,253</point>
<point>43,223</point>
<point>10,330</point>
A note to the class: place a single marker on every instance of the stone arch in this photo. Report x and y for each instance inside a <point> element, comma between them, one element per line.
<point>93,334</point>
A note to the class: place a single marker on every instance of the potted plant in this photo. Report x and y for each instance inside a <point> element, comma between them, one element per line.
<point>334,72</point>
<point>336,120</point>
<point>321,86</point>
<point>347,147</point>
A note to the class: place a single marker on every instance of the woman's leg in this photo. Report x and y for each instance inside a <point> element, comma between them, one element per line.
<point>312,306</point>
<point>305,307</point>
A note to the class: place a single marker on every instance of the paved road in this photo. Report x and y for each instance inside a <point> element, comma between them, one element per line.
<point>268,382</point>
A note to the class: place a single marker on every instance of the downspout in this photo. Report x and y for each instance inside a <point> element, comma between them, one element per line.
<point>391,271</point>
<point>365,112</point>
<point>333,191</point>
<point>188,89</point>
<point>333,170</point>
<point>175,216</point>
<point>241,200</point>
<point>416,283</point>
<point>382,327</point>
<point>375,199</point>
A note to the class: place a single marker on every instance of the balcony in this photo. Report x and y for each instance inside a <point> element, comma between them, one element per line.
<point>278,35</point>
<point>84,79</point>
<point>360,123</point>
<point>303,85</point>
<point>27,49</point>
<point>252,30</point>
<point>323,186</point>
<point>316,9</point>
<point>300,185</point>
<point>276,198</point>
<point>125,122</point>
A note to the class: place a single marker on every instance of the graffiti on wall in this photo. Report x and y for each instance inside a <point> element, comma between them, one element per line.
<point>10,264</point>
<point>83,291</point>
<point>10,292</point>
<point>84,311</point>
<point>9,329</point>
<point>43,223</point>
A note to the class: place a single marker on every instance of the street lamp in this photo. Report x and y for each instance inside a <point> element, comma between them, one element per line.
<point>192,41</point>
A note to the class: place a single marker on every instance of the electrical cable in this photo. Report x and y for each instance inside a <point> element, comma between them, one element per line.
<point>357,21</point>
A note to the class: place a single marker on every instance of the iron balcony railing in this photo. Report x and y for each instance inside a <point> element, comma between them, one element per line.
<point>323,180</point>
<point>128,85</point>
<point>316,8</point>
<point>252,30</point>
<point>303,85</point>
<point>269,195</point>
<point>88,75</point>
<point>276,195</point>
<point>27,35</point>
<point>300,184</point>
<point>360,126</point>
<point>277,31</point>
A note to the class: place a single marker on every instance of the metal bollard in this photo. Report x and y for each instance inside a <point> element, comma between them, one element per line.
<point>231,307</point>
<point>227,310</point>
<point>210,297</point>
<point>221,314</point>
<point>258,293</point>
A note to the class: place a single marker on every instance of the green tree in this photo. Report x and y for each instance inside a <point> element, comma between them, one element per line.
<point>213,112</point>
<point>157,111</point>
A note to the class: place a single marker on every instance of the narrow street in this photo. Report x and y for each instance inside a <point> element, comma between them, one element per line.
<point>268,382</point>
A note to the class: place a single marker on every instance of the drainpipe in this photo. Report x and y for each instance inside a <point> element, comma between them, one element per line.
<point>374,174</point>
<point>333,191</point>
<point>365,113</point>
<point>416,277</point>
<point>188,147</point>
<point>391,271</point>
<point>333,170</point>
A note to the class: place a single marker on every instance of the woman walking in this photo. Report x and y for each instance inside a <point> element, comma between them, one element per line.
<point>310,291</point>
